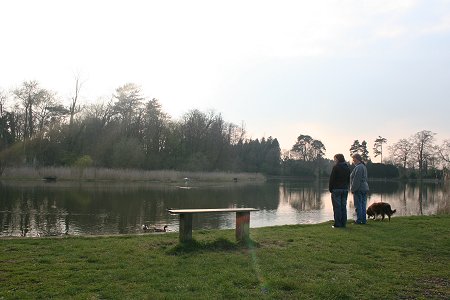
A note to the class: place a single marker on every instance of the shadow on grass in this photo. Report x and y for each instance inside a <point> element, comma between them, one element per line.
<point>219,244</point>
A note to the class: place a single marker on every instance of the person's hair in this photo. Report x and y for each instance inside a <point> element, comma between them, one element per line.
<point>358,157</point>
<point>340,157</point>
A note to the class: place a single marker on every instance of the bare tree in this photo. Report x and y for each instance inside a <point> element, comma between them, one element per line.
<point>3,98</point>
<point>101,112</point>
<point>195,126</point>
<point>73,109</point>
<point>48,110</point>
<point>401,152</point>
<point>30,95</point>
<point>424,149</point>
<point>444,151</point>
<point>236,133</point>
<point>7,124</point>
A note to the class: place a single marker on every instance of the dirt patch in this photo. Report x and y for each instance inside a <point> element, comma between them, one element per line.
<point>435,287</point>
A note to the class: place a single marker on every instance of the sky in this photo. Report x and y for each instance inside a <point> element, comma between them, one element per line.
<point>337,70</point>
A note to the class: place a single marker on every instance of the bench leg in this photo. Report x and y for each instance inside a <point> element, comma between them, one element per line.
<point>185,227</point>
<point>242,226</point>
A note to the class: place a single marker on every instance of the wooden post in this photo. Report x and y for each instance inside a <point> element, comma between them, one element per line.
<point>242,226</point>
<point>185,227</point>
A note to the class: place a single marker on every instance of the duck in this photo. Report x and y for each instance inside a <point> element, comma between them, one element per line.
<point>164,229</point>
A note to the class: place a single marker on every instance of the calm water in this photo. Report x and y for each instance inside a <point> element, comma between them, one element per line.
<point>42,209</point>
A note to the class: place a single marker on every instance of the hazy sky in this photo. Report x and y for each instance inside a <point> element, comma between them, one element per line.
<point>336,70</point>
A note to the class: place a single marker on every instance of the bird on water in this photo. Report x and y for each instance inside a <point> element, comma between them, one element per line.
<point>145,227</point>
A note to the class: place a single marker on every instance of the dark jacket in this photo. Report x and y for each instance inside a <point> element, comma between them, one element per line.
<point>340,177</point>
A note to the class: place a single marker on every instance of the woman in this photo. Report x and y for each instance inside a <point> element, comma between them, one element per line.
<point>359,188</point>
<point>338,186</point>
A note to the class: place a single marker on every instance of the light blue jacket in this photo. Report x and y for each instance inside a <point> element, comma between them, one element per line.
<point>358,179</point>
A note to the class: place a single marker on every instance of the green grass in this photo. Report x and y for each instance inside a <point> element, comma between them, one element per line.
<point>407,258</point>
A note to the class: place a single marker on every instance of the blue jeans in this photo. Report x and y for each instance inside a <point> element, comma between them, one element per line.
<point>339,200</point>
<point>360,200</point>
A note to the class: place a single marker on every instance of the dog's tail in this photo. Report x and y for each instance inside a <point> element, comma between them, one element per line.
<point>389,209</point>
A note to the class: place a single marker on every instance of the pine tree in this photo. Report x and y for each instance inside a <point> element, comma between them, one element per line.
<point>364,152</point>
<point>355,148</point>
<point>378,147</point>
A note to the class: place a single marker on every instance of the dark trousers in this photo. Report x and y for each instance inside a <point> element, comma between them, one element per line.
<point>339,200</point>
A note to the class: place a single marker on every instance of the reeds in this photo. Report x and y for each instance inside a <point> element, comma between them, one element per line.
<point>92,174</point>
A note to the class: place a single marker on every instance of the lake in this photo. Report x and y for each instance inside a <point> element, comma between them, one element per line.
<point>34,208</point>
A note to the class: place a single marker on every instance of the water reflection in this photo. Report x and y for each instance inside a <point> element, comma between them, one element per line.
<point>413,198</point>
<point>42,209</point>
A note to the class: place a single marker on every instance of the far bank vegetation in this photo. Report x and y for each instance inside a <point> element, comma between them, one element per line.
<point>129,135</point>
<point>96,174</point>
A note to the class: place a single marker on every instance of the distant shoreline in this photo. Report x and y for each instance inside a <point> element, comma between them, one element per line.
<point>371,179</point>
<point>92,174</point>
<point>134,175</point>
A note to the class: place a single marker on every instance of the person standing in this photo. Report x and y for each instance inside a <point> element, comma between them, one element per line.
<point>359,188</point>
<point>338,187</point>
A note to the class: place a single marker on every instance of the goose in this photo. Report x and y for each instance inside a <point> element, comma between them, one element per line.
<point>145,227</point>
<point>164,229</point>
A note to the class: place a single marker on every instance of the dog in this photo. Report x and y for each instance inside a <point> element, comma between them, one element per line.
<point>380,208</point>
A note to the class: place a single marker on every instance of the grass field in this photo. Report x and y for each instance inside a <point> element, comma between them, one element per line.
<point>408,258</point>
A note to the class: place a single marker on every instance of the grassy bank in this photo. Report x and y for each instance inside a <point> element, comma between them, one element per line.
<point>408,258</point>
<point>93,174</point>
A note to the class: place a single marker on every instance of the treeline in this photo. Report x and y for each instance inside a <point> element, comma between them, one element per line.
<point>416,157</point>
<point>131,131</point>
<point>128,131</point>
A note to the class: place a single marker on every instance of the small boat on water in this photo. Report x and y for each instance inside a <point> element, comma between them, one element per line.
<point>49,178</point>
<point>184,187</point>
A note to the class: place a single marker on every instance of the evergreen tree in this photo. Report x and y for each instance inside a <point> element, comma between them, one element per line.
<point>355,147</point>
<point>378,147</point>
<point>361,149</point>
<point>364,152</point>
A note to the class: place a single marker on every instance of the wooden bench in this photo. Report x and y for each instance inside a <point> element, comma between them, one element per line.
<point>242,221</point>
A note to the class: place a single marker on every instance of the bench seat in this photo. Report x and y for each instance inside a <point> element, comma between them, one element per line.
<point>242,220</point>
